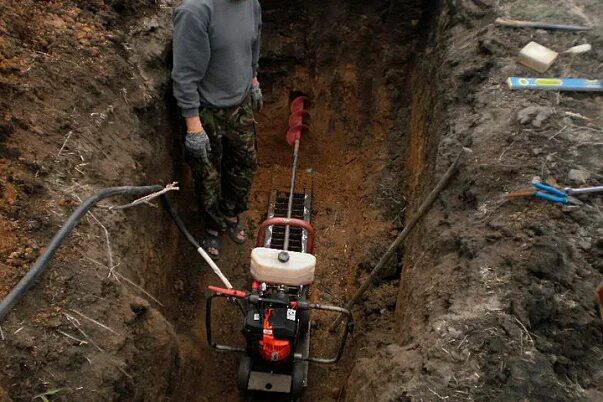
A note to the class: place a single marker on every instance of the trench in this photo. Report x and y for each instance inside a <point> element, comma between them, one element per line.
<point>367,151</point>
<point>483,302</point>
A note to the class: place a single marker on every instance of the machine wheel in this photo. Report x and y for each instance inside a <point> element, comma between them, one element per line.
<point>244,372</point>
<point>297,380</point>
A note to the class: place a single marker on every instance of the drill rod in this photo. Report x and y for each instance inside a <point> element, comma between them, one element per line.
<point>291,192</point>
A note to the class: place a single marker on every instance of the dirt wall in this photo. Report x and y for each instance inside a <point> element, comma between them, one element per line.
<point>83,107</point>
<point>497,297</point>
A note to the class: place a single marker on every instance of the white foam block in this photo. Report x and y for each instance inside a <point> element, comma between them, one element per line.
<point>538,57</point>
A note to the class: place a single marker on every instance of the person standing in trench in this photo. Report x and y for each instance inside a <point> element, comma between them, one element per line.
<point>216,51</point>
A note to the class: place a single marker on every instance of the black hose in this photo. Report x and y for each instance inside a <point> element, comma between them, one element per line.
<point>38,268</point>
<point>168,205</point>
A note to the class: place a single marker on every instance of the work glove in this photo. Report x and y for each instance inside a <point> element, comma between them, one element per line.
<point>198,145</point>
<point>257,100</point>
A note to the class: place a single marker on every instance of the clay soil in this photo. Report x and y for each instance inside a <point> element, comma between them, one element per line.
<point>489,299</point>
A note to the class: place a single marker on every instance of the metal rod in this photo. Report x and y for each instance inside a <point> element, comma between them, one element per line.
<point>425,206</point>
<point>208,327</point>
<point>542,25</point>
<point>291,192</point>
<point>345,315</point>
<point>585,190</point>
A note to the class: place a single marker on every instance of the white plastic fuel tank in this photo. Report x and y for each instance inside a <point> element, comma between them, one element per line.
<point>298,271</point>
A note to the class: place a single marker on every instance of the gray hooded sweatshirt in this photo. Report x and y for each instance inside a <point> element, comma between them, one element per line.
<point>216,52</point>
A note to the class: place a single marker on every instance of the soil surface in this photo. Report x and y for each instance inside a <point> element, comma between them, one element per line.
<point>489,299</point>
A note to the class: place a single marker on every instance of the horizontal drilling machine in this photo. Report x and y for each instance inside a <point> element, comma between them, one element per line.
<point>277,312</point>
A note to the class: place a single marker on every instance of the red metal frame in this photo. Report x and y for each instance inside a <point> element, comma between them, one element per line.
<point>296,223</point>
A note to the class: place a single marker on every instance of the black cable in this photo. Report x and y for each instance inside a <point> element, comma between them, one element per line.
<point>178,221</point>
<point>38,268</point>
<point>168,205</point>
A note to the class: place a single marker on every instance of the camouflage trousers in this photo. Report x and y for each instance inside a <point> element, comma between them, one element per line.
<point>223,184</point>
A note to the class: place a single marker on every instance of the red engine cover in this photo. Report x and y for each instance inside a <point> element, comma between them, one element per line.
<point>272,349</point>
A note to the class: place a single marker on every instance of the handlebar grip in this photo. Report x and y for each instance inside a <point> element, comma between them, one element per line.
<point>552,198</point>
<point>239,294</point>
<point>550,189</point>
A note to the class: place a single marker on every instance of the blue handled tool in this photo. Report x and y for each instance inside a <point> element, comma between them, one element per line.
<point>554,194</point>
<point>550,193</point>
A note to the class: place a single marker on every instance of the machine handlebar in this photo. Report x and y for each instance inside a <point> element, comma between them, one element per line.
<point>239,294</point>
<point>299,223</point>
<point>254,299</point>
